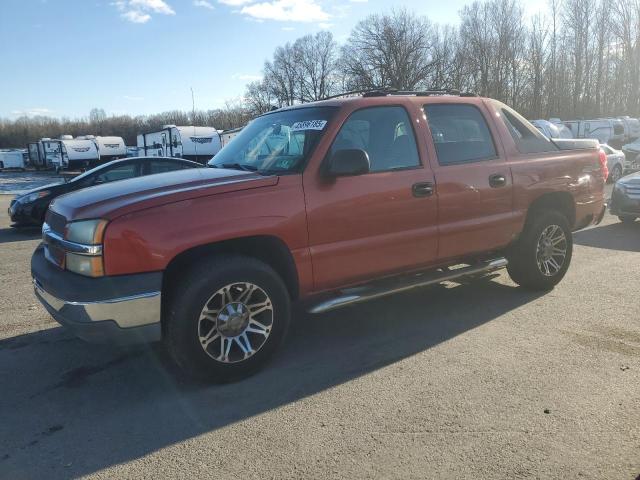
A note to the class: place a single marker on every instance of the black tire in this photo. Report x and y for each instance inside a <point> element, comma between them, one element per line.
<point>627,218</point>
<point>616,174</point>
<point>195,291</point>
<point>523,264</point>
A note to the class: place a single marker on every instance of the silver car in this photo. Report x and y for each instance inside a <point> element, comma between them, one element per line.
<point>616,163</point>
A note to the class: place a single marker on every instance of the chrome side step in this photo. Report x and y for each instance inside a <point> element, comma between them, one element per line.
<point>350,296</point>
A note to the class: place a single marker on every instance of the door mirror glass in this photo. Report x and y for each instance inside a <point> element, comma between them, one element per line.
<point>348,162</point>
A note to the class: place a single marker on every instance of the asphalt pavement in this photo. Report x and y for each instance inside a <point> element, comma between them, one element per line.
<point>468,381</point>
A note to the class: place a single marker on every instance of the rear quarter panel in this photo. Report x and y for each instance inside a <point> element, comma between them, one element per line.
<point>576,172</point>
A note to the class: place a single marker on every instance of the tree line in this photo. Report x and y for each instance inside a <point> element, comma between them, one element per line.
<point>580,59</point>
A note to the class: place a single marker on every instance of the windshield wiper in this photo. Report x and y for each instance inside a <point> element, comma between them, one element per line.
<point>236,166</point>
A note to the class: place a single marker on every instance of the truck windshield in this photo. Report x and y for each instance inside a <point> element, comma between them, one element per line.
<point>276,143</point>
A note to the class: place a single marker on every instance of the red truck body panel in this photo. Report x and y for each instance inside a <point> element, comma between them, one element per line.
<point>345,230</point>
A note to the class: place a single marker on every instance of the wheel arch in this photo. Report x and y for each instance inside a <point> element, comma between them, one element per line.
<point>267,248</point>
<point>562,202</point>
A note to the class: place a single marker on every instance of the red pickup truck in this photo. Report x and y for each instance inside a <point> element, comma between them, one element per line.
<point>328,204</point>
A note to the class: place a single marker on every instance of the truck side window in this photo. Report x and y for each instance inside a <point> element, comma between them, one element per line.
<point>460,133</point>
<point>386,135</point>
<point>526,137</point>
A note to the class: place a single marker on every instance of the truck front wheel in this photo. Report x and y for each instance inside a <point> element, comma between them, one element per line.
<point>227,318</point>
<point>541,257</point>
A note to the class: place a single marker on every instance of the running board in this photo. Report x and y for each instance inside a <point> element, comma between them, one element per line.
<point>350,296</point>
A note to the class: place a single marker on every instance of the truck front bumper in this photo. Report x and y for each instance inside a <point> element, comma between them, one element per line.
<point>123,310</point>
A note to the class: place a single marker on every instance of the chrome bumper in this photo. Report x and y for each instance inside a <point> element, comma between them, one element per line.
<point>132,319</point>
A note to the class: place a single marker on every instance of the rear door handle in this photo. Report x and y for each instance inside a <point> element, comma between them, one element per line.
<point>497,180</point>
<point>422,189</point>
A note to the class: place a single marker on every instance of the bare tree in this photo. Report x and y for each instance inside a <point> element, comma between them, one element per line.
<point>389,51</point>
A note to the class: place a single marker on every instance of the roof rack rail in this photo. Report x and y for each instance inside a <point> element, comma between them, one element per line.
<point>383,92</point>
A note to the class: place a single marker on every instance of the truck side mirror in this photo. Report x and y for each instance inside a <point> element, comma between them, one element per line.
<point>348,162</point>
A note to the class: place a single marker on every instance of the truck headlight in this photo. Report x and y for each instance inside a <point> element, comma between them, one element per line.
<point>86,232</point>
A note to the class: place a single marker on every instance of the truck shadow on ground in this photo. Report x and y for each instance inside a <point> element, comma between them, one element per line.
<point>614,236</point>
<point>71,409</point>
<point>10,234</point>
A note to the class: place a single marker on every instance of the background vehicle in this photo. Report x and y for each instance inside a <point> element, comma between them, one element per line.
<point>68,153</point>
<point>193,143</point>
<point>327,204</point>
<point>632,153</point>
<point>109,148</point>
<point>631,128</point>
<point>625,198</point>
<point>616,163</point>
<point>11,159</point>
<point>605,130</point>
<point>552,130</point>
<point>30,208</point>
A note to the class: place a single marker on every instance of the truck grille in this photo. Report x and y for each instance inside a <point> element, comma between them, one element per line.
<point>56,222</point>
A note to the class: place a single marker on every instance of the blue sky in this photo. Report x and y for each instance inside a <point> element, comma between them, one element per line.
<point>64,57</point>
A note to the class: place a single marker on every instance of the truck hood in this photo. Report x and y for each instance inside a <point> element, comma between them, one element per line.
<point>112,200</point>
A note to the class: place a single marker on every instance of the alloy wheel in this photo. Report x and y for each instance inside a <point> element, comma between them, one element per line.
<point>551,250</point>
<point>235,322</point>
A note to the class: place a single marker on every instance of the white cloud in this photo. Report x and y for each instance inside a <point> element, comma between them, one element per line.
<point>203,4</point>
<point>135,16</point>
<point>133,98</point>
<point>287,11</point>
<point>139,11</point>
<point>32,112</point>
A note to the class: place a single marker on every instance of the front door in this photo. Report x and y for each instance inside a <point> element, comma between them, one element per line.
<point>377,223</point>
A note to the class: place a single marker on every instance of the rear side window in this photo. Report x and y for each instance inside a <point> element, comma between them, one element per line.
<point>526,137</point>
<point>386,135</point>
<point>460,133</point>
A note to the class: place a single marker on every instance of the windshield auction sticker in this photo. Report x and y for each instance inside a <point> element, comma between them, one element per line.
<point>309,125</point>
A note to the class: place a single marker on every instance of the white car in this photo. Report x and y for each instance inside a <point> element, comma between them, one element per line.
<point>616,163</point>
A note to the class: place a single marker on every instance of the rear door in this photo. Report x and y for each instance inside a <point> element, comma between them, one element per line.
<point>378,223</point>
<point>473,180</point>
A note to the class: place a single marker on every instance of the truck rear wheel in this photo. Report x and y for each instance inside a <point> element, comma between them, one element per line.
<point>227,318</point>
<point>541,257</point>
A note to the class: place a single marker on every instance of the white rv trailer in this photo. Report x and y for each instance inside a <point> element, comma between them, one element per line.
<point>227,135</point>
<point>37,157</point>
<point>109,148</point>
<point>605,130</point>
<point>552,130</point>
<point>11,158</point>
<point>69,154</point>
<point>199,144</point>
<point>631,128</point>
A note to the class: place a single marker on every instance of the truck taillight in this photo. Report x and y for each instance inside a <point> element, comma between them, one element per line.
<point>603,164</point>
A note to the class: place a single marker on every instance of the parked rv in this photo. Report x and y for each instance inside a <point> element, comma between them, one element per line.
<point>37,158</point>
<point>109,148</point>
<point>605,130</point>
<point>632,153</point>
<point>11,158</point>
<point>631,127</point>
<point>227,135</point>
<point>69,153</point>
<point>199,144</point>
<point>552,130</point>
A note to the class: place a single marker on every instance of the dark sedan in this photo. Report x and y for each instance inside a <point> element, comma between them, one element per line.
<point>625,198</point>
<point>29,208</point>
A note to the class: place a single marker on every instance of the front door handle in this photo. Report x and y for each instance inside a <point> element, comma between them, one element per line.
<point>497,180</point>
<point>422,189</point>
